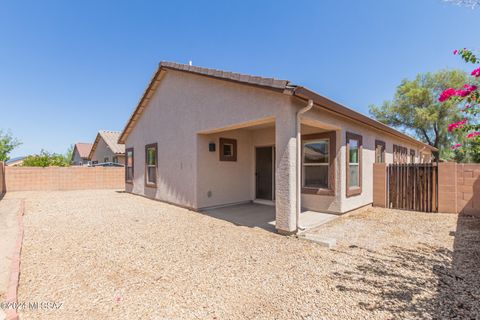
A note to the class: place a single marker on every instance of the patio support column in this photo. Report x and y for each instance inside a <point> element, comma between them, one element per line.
<point>286,173</point>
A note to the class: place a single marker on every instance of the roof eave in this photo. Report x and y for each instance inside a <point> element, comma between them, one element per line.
<point>328,104</point>
<point>141,105</point>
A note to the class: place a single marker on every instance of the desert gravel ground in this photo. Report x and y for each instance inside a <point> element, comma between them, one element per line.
<point>8,236</point>
<point>111,255</point>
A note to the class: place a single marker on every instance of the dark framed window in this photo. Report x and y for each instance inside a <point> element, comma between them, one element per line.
<point>106,159</point>
<point>379,151</point>
<point>228,149</point>
<point>115,159</point>
<point>354,148</point>
<point>412,156</point>
<point>425,157</point>
<point>129,165</point>
<point>400,154</point>
<point>151,163</point>
<point>318,163</point>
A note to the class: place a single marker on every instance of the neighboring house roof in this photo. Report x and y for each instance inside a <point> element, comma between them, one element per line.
<point>15,161</point>
<point>282,86</point>
<point>83,149</point>
<point>111,139</point>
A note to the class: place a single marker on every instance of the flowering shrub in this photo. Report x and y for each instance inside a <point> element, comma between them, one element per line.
<point>456,125</point>
<point>469,97</point>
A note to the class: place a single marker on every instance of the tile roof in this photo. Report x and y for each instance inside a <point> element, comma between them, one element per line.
<point>84,149</point>
<point>111,139</point>
<point>227,75</point>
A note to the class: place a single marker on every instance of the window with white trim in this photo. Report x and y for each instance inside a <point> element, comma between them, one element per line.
<point>129,165</point>
<point>354,164</point>
<point>151,164</point>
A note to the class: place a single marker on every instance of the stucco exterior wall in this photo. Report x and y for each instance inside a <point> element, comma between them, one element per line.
<point>224,182</point>
<point>102,151</point>
<point>77,160</point>
<point>341,203</point>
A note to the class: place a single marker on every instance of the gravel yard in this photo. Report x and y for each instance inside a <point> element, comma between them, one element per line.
<point>8,236</point>
<point>112,255</point>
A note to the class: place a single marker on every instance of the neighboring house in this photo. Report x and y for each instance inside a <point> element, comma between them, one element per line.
<point>15,162</point>
<point>80,154</point>
<point>202,138</point>
<point>107,149</point>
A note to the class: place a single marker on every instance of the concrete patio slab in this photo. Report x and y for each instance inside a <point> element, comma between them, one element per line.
<point>252,215</point>
<point>255,215</point>
<point>311,219</point>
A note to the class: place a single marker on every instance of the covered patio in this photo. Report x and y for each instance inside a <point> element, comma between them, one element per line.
<point>248,174</point>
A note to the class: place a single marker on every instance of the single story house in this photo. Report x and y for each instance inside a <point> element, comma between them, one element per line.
<point>15,162</point>
<point>106,148</point>
<point>203,138</point>
<point>80,154</point>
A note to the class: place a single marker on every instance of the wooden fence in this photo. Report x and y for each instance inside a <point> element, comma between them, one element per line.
<point>413,187</point>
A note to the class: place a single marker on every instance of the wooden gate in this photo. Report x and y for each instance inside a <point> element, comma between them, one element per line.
<point>413,186</point>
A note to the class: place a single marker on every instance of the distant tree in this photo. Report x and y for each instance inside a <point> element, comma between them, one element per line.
<point>415,109</point>
<point>7,144</point>
<point>46,159</point>
<point>69,153</point>
<point>468,3</point>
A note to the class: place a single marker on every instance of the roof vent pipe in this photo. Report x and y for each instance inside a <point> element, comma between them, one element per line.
<point>299,164</point>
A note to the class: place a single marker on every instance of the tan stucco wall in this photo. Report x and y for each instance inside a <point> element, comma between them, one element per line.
<point>223,182</point>
<point>103,150</point>
<point>77,160</point>
<point>342,203</point>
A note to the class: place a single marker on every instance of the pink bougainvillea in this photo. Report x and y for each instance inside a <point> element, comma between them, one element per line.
<point>456,125</point>
<point>447,94</point>
<point>473,135</point>
<point>476,73</point>
<point>455,51</point>
<point>450,92</point>
<point>456,146</point>
<point>470,87</point>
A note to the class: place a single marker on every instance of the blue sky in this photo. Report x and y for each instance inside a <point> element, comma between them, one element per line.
<point>70,68</point>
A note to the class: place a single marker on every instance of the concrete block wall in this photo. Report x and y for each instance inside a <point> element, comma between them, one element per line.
<point>458,187</point>
<point>2,177</point>
<point>447,187</point>
<point>68,178</point>
<point>468,189</point>
<point>380,185</point>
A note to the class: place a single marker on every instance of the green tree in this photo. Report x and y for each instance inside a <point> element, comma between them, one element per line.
<point>7,144</point>
<point>46,159</point>
<point>415,109</point>
<point>69,154</point>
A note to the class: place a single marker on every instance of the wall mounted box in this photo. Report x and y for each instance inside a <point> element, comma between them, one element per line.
<point>211,147</point>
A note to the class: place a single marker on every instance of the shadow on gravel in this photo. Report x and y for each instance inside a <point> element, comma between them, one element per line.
<point>423,282</point>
